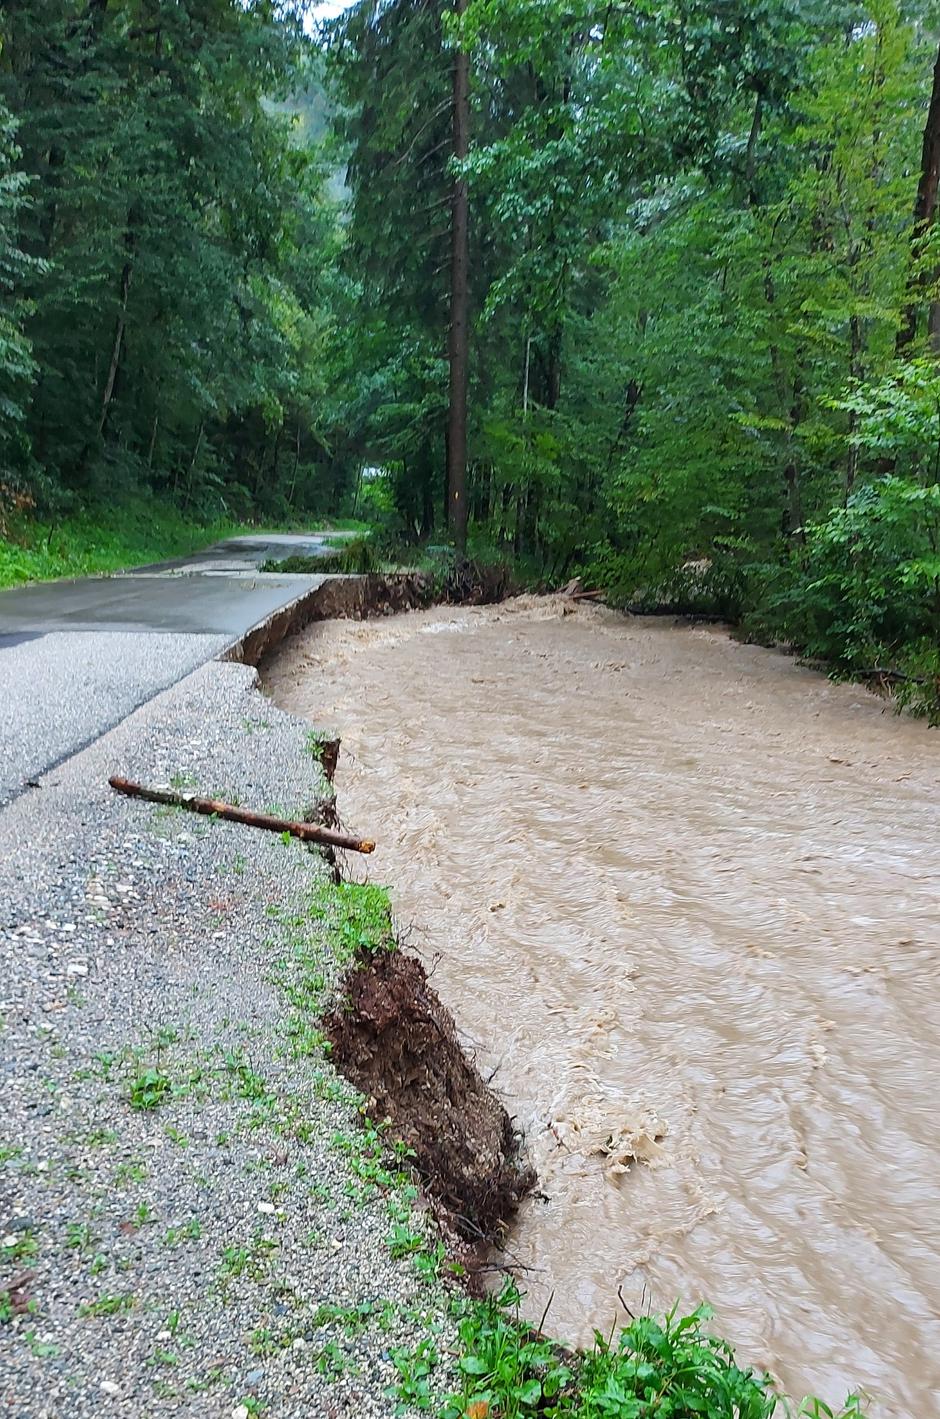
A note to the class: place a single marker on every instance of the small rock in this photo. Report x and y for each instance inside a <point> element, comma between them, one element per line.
<point>266,1207</point>
<point>240,1412</point>
<point>109,1387</point>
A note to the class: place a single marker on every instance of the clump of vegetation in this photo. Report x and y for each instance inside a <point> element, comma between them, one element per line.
<point>864,596</point>
<point>357,916</point>
<point>356,556</point>
<point>110,1305</point>
<point>150,1088</point>
<point>658,1368</point>
<point>453,579</point>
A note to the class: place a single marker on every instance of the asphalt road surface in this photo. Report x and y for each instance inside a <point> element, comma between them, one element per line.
<point>76,657</point>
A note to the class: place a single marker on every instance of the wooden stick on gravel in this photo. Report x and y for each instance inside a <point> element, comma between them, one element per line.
<point>307,832</point>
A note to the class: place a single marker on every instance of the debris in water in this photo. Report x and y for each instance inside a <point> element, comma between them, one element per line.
<point>637,1141</point>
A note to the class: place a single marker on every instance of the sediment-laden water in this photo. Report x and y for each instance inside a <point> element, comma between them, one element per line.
<point>683,898</point>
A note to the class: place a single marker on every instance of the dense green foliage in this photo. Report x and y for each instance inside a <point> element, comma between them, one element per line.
<point>692,255</point>
<point>140,531</point>
<point>702,262</point>
<point>665,1368</point>
<point>164,233</point>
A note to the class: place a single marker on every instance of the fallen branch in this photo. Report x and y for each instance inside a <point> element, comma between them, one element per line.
<point>306,832</point>
<point>893,677</point>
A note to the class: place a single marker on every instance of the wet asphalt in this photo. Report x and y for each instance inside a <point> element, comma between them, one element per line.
<point>76,657</point>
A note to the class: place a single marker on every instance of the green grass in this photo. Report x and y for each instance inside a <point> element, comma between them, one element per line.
<point>357,555</point>
<point>107,1306</point>
<point>358,918</point>
<point>112,538</point>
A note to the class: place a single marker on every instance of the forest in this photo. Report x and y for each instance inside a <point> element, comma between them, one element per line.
<point>646,293</point>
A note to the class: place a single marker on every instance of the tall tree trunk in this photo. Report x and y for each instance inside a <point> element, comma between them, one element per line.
<point>130,241</point>
<point>553,367</point>
<point>525,376</point>
<point>275,461</point>
<point>855,369</point>
<point>293,480</point>
<point>192,465</point>
<point>925,208</point>
<point>153,442</point>
<point>750,162</point>
<point>116,349</point>
<point>459,345</point>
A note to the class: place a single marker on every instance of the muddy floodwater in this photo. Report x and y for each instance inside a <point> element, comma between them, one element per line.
<point>683,898</point>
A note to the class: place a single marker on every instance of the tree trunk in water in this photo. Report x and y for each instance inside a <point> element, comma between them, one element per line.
<point>924,210</point>
<point>459,307</point>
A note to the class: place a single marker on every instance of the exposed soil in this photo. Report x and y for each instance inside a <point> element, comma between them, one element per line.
<point>340,597</point>
<point>356,597</point>
<point>395,1040</point>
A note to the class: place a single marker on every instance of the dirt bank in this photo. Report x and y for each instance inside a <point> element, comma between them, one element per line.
<point>389,1032</point>
<point>394,1039</point>
<point>339,597</point>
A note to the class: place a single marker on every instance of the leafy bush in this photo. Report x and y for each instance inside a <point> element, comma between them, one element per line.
<point>659,1368</point>
<point>717,584</point>
<point>358,556</point>
<point>866,596</point>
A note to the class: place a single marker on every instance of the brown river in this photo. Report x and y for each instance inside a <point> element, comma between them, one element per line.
<point>683,897</point>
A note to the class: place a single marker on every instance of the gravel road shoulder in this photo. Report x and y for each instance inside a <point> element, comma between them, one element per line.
<point>62,689</point>
<point>188,1224</point>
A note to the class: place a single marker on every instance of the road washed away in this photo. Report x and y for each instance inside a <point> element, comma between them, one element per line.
<point>682,897</point>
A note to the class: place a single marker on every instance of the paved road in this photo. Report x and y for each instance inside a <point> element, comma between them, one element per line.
<point>76,657</point>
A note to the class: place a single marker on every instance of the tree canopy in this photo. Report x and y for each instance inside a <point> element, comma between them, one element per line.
<point>700,286</point>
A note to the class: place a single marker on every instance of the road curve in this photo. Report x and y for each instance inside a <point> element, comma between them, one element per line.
<point>76,657</point>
